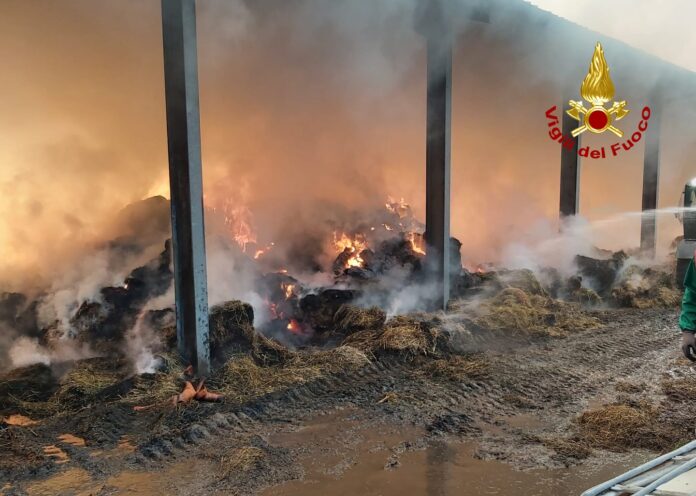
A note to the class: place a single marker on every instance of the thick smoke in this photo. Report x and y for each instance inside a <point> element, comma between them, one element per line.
<point>313,112</point>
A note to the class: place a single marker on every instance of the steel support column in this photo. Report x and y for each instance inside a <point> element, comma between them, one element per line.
<point>570,169</point>
<point>437,162</point>
<point>185,180</point>
<point>651,174</point>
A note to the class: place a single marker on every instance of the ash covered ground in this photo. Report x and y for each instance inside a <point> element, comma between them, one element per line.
<point>98,387</point>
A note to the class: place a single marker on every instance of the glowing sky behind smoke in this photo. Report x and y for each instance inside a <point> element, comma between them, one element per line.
<point>310,102</point>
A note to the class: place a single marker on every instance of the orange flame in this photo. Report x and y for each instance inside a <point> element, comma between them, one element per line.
<point>417,242</point>
<point>400,207</point>
<point>262,251</point>
<point>294,327</point>
<point>354,245</point>
<point>289,290</point>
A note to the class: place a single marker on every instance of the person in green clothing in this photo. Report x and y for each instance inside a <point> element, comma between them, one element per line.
<point>687,318</point>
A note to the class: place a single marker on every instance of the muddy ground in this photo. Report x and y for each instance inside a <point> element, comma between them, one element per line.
<point>526,407</point>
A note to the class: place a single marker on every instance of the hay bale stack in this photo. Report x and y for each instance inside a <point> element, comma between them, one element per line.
<point>646,288</point>
<point>232,332</point>
<point>349,319</point>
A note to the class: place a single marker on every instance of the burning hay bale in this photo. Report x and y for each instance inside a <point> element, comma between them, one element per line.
<point>646,288</point>
<point>349,319</point>
<point>516,310</point>
<point>620,427</point>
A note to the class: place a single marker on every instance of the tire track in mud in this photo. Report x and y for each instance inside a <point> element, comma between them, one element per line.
<point>558,376</point>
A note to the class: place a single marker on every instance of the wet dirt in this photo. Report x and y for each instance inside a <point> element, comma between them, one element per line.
<point>432,436</point>
<point>344,459</point>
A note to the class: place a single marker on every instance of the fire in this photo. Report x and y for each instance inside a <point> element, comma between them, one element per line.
<point>400,208</point>
<point>417,242</point>
<point>262,251</point>
<point>294,327</point>
<point>354,245</point>
<point>289,290</point>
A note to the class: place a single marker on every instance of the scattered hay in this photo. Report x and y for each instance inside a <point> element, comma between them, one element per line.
<point>342,358</point>
<point>568,449</point>
<point>458,368</point>
<point>242,378</point>
<point>646,288</point>
<point>349,318</point>
<point>629,387</point>
<point>390,397</point>
<point>240,461</point>
<point>160,386</point>
<point>405,334</point>
<point>680,390</point>
<point>621,427</point>
<point>364,341</point>
<point>517,310</point>
<point>88,379</point>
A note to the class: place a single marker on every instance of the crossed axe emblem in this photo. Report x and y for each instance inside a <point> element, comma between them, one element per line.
<point>597,119</point>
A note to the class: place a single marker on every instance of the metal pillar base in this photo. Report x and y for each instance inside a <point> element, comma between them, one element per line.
<point>186,182</point>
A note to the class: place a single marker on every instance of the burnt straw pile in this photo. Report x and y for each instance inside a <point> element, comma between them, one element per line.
<point>118,343</point>
<point>308,331</point>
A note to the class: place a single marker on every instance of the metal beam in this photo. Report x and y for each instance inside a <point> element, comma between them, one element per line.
<point>437,163</point>
<point>570,169</point>
<point>651,173</point>
<point>185,180</point>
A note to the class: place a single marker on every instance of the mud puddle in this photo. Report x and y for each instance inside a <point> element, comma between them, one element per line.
<point>392,461</point>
